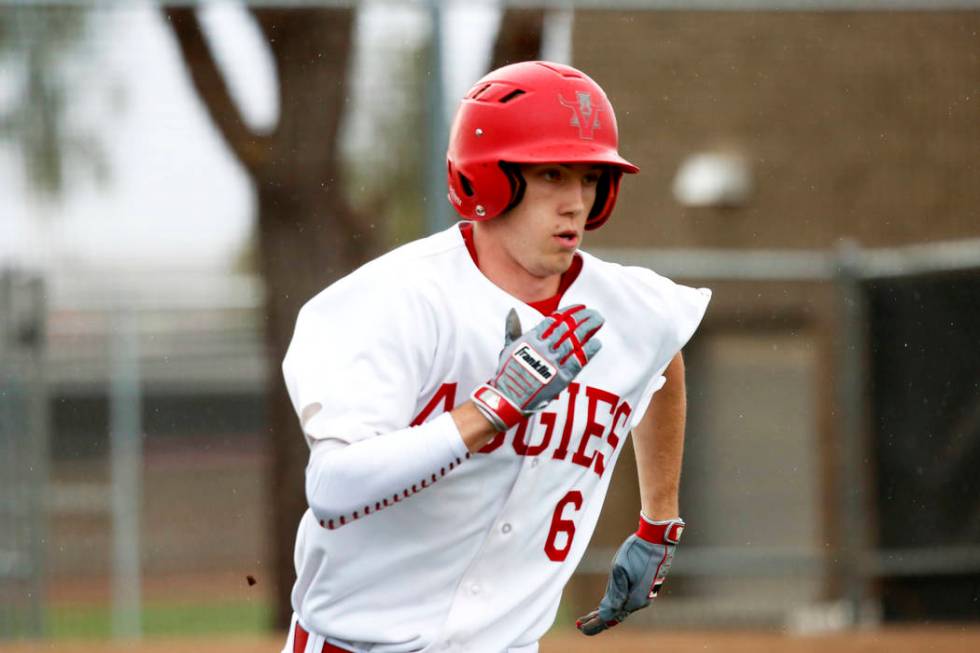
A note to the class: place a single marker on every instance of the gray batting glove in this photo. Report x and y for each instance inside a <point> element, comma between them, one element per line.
<point>536,366</point>
<point>638,572</point>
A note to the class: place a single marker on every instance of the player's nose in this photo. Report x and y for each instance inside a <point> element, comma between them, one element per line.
<point>577,197</point>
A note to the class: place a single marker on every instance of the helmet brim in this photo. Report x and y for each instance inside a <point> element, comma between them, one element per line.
<point>569,153</point>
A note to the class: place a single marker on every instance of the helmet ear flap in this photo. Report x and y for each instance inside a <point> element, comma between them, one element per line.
<point>481,191</point>
<point>605,198</point>
<point>517,184</point>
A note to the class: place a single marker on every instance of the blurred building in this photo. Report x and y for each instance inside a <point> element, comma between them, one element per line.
<point>764,139</point>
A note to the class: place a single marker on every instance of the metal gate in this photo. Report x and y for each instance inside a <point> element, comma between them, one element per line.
<point>23,454</point>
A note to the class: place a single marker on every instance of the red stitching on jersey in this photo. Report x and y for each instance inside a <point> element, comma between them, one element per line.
<point>396,498</point>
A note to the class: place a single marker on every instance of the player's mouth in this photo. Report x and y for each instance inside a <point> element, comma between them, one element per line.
<point>567,239</point>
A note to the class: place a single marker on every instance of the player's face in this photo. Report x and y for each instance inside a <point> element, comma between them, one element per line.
<point>543,231</point>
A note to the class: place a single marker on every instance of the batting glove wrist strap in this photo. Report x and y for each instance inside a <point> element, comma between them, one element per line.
<point>667,531</point>
<point>501,411</point>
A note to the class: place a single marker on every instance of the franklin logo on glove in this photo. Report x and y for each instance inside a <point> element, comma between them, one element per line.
<point>534,363</point>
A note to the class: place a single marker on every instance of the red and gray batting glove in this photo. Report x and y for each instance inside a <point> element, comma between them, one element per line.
<point>536,366</point>
<point>638,572</point>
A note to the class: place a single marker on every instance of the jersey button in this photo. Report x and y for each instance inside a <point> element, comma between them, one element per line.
<point>534,462</point>
<point>505,529</point>
<point>474,589</point>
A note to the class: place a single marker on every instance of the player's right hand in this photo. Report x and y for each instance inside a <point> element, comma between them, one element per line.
<point>536,366</point>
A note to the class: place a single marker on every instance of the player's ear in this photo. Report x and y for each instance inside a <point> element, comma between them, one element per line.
<point>512,328</point>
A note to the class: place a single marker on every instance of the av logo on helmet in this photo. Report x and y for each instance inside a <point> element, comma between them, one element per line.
<point>534,363</point>
<point>584,115</point>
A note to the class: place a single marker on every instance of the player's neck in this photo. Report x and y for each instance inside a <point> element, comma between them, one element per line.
<point>509,275</point>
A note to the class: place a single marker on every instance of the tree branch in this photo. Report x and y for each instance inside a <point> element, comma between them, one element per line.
<point>311,49</point>
<point>211,87</point>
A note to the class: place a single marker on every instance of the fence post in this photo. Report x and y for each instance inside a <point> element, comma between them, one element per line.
<point>126,461</point>
<point>23,454</point>
<point>851,399</point>
<point>436,204</point>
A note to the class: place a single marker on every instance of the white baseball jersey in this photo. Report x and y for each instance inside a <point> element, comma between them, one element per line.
<point>476,561</point>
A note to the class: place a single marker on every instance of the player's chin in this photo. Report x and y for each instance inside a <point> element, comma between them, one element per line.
<point>560,262</point>
<point>550,261</point>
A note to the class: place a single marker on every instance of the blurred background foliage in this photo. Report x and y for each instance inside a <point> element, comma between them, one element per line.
<point>42,52</point>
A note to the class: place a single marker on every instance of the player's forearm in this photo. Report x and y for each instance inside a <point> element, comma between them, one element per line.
<point>347,482</point>
<point>659,444</point>
<point>475,429</point>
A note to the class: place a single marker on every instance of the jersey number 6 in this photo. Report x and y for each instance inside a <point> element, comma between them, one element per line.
<point>559,525</point>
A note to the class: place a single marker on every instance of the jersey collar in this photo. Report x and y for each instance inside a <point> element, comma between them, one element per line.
<point>544,306</point>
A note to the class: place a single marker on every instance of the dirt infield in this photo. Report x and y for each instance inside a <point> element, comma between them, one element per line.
<point>951,639</point>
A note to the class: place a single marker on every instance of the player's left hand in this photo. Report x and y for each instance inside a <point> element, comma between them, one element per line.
<point>638,572</point>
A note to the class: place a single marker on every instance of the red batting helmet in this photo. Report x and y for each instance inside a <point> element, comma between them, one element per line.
<point>530,112</point>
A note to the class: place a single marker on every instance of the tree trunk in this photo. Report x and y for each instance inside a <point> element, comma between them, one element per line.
<point>303,248</point>
<point>308,236</point>
<point>519,37</point>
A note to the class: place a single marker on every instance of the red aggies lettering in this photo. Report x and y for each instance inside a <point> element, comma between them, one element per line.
<point>605,418</point>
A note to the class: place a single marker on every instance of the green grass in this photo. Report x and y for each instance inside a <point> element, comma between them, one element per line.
<point>162,618</point>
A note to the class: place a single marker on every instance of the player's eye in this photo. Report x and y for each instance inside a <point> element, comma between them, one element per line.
<point>592,178</point>
<point>551,174</point>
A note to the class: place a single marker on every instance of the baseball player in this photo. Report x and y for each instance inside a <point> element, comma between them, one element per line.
<point>465,396</point>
